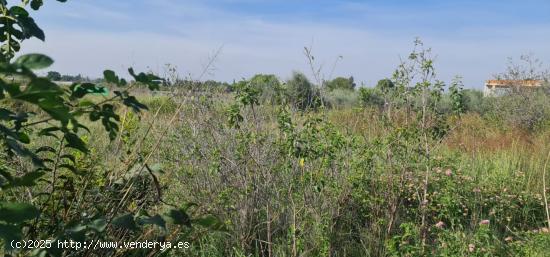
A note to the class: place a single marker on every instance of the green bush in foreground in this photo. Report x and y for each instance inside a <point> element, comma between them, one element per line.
<point>50,190</point>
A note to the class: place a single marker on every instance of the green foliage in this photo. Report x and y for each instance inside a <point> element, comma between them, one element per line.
<point>81,163</point>
<point>53,76</point>
<point>17,25</point>
<point>340,83</point>
<point>535,243</point>
<point>234,116</point>
<point>370,97</point>
<point>406,243</point>
<point>51,132</point>
<point>457,96</point>
<point>271,90</point>
<point>247,93</point>
<point>527,110</point>
<point>385,85</point>
<point>64,109</point>
<point>302,94</point>
<point>473,100</point>
<point>342,98</point>
<point>34,61</point>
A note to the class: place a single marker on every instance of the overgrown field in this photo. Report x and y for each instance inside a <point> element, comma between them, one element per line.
<point>344,182</point>
<point>347,181</point>
<point>412,166</point>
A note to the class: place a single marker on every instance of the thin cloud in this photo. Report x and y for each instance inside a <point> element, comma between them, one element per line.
<point>184,33</point>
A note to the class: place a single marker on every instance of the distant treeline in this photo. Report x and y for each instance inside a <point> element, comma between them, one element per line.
<point>56,76</point>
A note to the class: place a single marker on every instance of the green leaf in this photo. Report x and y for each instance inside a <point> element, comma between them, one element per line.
<point>179,217</point>
<point>69,167</point>
<point>48,132</point>
<point>30,28</point>
<point>56,109</point>
<point>39,89</point>
<point>98,225</point>
<point>133,103</point>
<point>110,76</point>
<point>68,157</point>
<point>125,221</point>
<point>6,174</point>
<point>34,61</point>
<point>23,138</point>
<point>19,11</point>
<point>73,141</point>
<point>151,80</point>
<point>77,232</point>
<point>6,114</point>
<point>16,213</point>
<point>155,220</point>
<point>80,90</point>
<point>36,4</point>
<point>23,151</point>
<point>27,180</point>
<point>9,233</point>
<point>86,103</point>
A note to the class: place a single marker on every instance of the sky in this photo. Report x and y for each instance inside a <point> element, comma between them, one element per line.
<point>472,39</point>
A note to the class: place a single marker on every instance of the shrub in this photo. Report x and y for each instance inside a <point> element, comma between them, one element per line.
<point>302,94</point>
<point>473,100</point>
<point>370,97</point>
<point>529,110</point>
<point>271,90</point>
<point>342,98</point>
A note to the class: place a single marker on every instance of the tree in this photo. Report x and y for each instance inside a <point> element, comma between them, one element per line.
<point>270,87</point>
<point>301,92</point>
<point>54,76</point>
<point>385,85</point>
<point>341,83</point>
<point>74,78</point>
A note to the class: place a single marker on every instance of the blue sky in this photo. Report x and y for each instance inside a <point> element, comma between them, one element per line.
<point>469,38</point>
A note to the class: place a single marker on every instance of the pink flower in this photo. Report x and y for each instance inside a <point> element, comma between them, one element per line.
<point>477,190</point>
<point>448,172</point>
<point>440,224</point>
<point>484,222</point>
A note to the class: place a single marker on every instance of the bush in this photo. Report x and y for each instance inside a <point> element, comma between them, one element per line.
<point>473,100</point>
<point>528,110</point>
<point>370,97</point>
<point>271,90</point>
<point>302,94</point>
<point>342,98</point>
